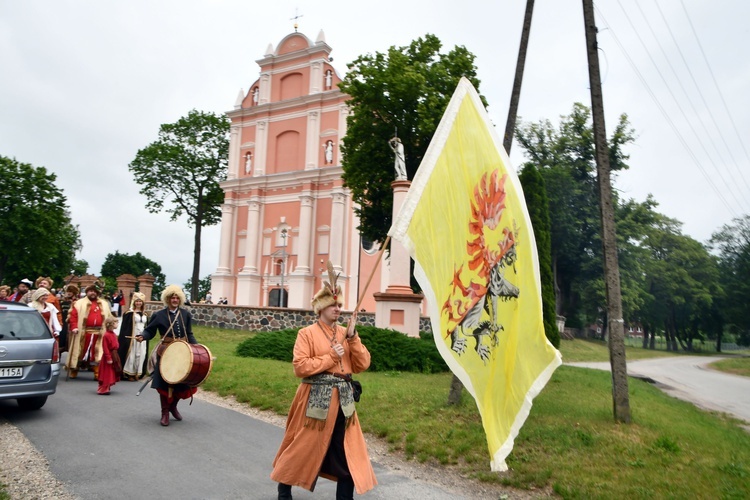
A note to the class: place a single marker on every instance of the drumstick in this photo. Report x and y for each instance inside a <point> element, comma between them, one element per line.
<point>144,385</point>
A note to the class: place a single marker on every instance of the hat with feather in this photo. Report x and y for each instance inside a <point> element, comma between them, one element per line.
<point>330,293</point>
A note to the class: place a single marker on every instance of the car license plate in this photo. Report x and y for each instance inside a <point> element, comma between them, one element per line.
<point>11,372</point>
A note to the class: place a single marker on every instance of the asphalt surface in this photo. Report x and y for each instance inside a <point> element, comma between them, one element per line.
<point>113,447</point>
<point>690,379</point>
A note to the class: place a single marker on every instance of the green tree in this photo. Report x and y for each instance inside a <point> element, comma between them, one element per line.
<point>184,168</point>
<point>538,207</point>
<point>566,159</point>
<point>116,264</point>
<point>204,286</point>
<point>404,92</point>
<point>732,242</point>
<point>683,279</point>
<point>37,235</point>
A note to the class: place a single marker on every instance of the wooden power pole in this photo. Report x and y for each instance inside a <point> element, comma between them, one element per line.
<point>515,95</point>
<point>454,395</point>
<point>616,325</point>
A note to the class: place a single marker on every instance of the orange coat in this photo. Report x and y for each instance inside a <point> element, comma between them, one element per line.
<point>303,448</point>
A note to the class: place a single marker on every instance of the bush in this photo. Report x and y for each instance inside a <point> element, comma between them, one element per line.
<point>389,350</point>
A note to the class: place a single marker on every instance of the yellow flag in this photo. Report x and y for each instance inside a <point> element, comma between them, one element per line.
<point>465,224</point>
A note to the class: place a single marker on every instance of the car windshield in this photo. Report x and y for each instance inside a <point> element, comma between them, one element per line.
<point>17,325</point>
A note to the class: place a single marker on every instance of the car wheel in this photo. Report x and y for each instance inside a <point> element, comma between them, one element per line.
<point>32,403</point>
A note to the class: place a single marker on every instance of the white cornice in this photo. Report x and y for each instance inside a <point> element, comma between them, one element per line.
<point>265,109</point>
<point>327,175</point>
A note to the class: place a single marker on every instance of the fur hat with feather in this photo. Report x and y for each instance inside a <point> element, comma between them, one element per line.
<point>329,294</point>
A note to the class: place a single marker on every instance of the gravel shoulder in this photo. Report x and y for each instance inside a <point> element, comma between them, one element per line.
<point>25,472</point>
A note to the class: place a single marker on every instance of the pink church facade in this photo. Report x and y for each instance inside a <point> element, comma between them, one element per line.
<point>286,211</point>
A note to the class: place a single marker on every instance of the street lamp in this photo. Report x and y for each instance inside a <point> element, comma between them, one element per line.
<point>283,265</point>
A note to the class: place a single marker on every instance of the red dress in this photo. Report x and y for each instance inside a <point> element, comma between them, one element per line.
<point>107,373</point>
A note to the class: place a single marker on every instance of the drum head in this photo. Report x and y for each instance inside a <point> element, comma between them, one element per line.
<point>176,362</point>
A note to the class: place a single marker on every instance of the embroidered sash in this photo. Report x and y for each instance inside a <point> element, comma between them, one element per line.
<point>321,389</point>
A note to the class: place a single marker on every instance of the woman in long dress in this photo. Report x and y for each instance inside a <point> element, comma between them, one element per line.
<point>48,311</point>
<point>134,354</point>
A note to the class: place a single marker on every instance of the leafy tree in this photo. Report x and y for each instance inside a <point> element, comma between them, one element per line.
<point>184,167</point>
<point>116,264</point>
<point>404,91</point>
<point>566,159</point>
<point>37,235</point>
<point>204,286</point>
<point>732,242</point>
<point>683,279</point>
<point>538,206</point>
<point>80,267</point>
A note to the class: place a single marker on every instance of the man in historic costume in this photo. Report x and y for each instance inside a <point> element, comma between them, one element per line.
<point>22,289</point>
<point>86,323</point>
<point>173,323</point>
<point>325,356</point>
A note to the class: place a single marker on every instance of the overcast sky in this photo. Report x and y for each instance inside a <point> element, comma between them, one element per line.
<point>86,84</point>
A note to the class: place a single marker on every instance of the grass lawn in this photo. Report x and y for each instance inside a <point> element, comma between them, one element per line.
<point>569,442</point>
<point>597,350</point>
<point>738,366</point>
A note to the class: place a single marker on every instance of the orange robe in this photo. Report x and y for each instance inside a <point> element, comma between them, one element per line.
<point>303,449</point>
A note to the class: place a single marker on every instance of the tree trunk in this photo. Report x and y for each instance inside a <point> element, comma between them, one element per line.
<point>645,337</point>
<point>615,322</point>
<point>197,256</point>
<point>454,396</point>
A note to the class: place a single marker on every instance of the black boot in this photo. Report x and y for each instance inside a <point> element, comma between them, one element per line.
<point>285,491</point>
<point>345,489</point>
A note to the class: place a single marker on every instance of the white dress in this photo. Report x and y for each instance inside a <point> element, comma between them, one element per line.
<point>137,352</point>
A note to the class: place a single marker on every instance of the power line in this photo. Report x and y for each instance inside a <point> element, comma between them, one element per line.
<point>739,201</point>
<point>682,140</point>
<point>718,89</point>
<point>697,88</point>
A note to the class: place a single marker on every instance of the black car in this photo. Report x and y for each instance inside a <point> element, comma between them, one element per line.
<point>29,356</point>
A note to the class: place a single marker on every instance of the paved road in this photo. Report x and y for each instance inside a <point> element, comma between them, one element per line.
<point>689,378</point>
<point>113,447</point>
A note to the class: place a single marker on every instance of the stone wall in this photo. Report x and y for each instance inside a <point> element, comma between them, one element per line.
<point>264,319</point>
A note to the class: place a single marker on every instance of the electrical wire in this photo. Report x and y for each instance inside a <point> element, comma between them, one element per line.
<point>666,116</point>
<point>698,137</point>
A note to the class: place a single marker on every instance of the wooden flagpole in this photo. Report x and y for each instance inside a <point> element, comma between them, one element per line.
<point>377,263</point>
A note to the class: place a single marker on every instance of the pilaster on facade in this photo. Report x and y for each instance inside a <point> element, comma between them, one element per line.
<point>253,236</point>
<point>234,152</point>
<point>316,77</point>
<point>248,288</point>
<point>311,147</point>
<point>225,243</point>
<point>261,147</point>
<point>301,290</point>
<point>336,241</point>
<point>305,233</point>
<point>265,88</point>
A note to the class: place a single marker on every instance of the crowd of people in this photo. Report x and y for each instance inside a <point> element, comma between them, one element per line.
<point>87,327</point>
<point>323,436</point>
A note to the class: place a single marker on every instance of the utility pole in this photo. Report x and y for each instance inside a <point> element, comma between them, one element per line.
<point>515,94</point>
<point>454,395</point>
<point>616,325</point>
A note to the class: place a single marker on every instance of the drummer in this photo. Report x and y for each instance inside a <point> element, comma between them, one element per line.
<point>173,324</point>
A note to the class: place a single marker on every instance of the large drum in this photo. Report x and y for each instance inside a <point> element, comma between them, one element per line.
<point>183,363</point>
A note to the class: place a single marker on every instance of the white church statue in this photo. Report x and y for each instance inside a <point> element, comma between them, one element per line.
<point>400,164</point>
